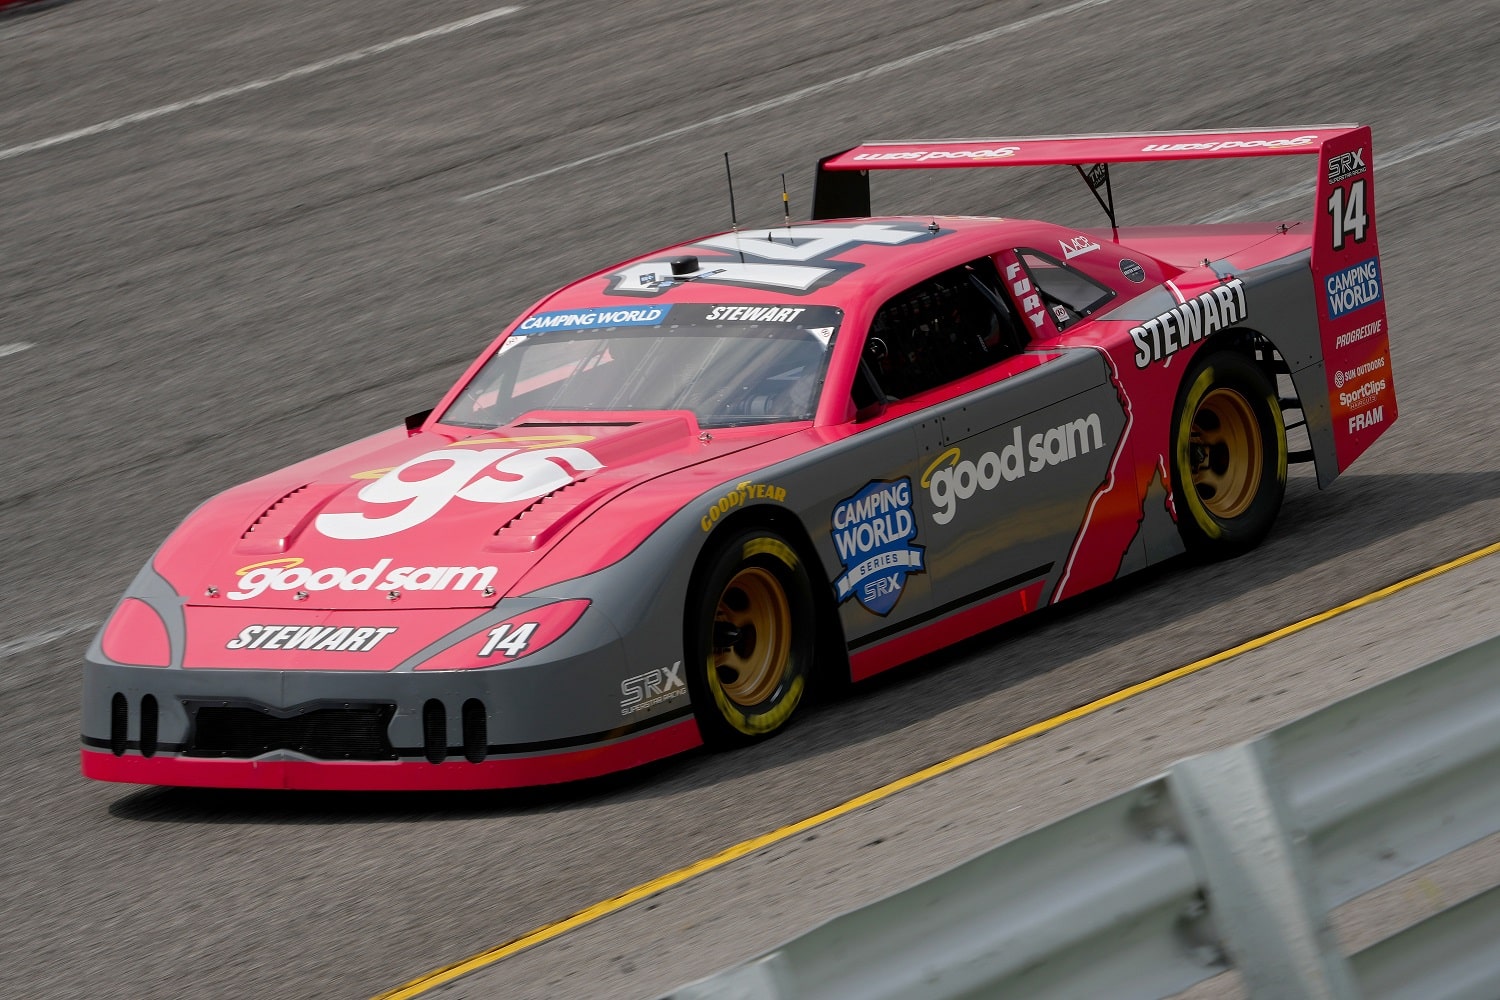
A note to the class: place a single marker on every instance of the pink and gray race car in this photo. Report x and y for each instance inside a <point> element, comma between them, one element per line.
<point>675,495</point>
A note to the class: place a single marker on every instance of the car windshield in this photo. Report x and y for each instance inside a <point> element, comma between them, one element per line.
<point>729,365</point>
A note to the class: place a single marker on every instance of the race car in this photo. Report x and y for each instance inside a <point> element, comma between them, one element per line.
<point>674,496</point>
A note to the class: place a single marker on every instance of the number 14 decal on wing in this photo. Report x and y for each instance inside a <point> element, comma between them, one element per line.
<point>1349,219</point>
<point>795,259</point>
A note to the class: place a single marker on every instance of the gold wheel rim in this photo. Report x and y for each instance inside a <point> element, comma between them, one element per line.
<point>1225,453</point>
<point>752,636</point>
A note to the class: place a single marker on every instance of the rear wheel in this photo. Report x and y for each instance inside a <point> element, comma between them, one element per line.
<point>750,637</point>
<point>1229,455</point>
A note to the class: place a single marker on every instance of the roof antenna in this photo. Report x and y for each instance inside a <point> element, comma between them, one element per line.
<point>786,205</point>
<point>734,222</point>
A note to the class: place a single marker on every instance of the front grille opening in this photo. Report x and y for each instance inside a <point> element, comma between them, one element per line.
<point>148,725</point>
<point>476,730</point>
<point>435,731</point>
<point>119,724</point>
<point>344,732</point>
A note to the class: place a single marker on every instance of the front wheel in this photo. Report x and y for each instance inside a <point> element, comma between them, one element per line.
<point>1228,455</point>
<point>750,637</point>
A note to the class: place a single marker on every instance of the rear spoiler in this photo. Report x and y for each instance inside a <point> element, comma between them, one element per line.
<point>1345,257</point>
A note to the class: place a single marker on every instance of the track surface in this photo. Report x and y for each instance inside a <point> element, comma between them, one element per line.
<point>223,288</point>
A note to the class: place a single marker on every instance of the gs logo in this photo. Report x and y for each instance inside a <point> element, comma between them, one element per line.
<point>428,483</point>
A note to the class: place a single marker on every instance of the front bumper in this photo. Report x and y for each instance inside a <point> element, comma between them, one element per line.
<point>359,731</point>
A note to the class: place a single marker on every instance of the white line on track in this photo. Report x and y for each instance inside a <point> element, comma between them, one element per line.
<point>1432,144</point>
<point>14,647</point>
<point>244,88</point>
<point>798,95</point>
<point>16,348</point>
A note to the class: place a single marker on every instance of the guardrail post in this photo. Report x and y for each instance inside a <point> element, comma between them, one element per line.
<point>1261,892</point>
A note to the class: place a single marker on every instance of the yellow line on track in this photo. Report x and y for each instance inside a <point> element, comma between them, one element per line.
<point>448,973</point>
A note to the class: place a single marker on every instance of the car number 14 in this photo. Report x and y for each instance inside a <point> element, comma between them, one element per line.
<point>508,639</point>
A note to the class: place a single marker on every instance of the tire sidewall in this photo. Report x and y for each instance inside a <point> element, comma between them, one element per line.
<point>722,720</point>
<point>1201,530</point>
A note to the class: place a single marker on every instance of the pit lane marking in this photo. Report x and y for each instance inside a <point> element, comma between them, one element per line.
<point>322,65</point>
<point>1432,144</point>
<point>661,883</point>
<point>798,95</point>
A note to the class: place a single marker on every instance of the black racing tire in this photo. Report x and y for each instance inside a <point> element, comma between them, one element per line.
<point>750,637</point>
<point>1228,455</point>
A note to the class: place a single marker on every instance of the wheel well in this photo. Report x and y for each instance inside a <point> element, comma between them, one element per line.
<point>1262,350</point>
<point>832,658</point>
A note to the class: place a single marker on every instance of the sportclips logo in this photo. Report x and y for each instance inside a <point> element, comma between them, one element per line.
<point>290,574</point>
<point>872,532</point>
<point>1163,336</point>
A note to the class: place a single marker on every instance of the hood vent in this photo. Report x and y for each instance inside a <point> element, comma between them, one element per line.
<point>542,519</point>
<point>280,524</point>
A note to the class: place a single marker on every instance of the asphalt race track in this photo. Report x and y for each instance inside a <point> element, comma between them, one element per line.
<point>239,234</point>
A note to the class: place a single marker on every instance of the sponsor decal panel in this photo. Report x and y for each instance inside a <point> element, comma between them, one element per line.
<point>1347,376</point>
<point>951,478</point>
<point>1026,294</point>
<point>318,638</point>
<point>1132,270</point>
<point>1183,325</point>
<point>289,574</point>
<point>1353,288</point>
<point>1373,417</point>
<point>740,495</point>
<point>873,532</point>
<point>589,319</point>
<point>754,314</point>
<point>1345,166</point>
<point>1216,146</point>
<point>653,688</point>
<point>419,488</point>
<point>1359,333</point>
<point>1077,247</point>
<point>936,155</point>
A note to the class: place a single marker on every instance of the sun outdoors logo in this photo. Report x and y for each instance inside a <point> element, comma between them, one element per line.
<point>873,531</point>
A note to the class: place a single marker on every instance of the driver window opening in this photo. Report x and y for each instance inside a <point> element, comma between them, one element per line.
<point>949,326</point>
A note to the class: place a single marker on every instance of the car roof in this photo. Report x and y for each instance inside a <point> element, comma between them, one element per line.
<point>870,270</point>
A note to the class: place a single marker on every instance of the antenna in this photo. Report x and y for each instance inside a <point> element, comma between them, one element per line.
<point>733,222</point>
<point>786,203</point>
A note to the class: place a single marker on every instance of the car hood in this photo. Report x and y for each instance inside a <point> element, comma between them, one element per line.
<point>424,519</point>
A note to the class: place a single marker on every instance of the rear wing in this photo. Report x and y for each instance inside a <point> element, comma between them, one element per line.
<point>1345,256</point>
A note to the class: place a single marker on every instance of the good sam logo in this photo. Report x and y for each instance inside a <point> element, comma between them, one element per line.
<point>873,531</point>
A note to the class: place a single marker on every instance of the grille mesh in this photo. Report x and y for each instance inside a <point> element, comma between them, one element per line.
<point>349,732</point>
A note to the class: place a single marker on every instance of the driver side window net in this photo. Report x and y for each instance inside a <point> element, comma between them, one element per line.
<point>936,332</point>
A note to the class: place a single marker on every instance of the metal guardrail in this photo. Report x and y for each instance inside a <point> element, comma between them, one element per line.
<point>1231,859</point>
